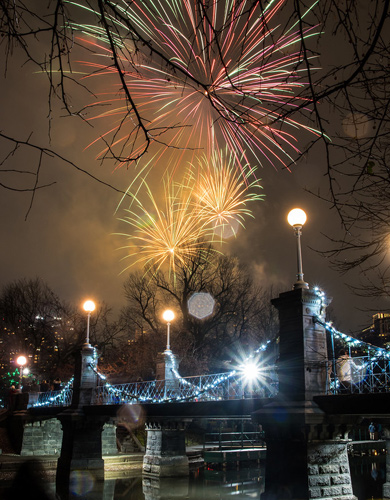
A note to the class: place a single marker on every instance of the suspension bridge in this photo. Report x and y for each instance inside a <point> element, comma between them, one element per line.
<point>257,377</point>
<point>296,394</point>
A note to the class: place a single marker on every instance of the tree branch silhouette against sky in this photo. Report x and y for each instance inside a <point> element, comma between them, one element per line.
<point>100,98</point>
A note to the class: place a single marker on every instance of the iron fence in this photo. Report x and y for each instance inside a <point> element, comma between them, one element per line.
<point>360,375</point>
<point>50,398</point>
<point>220,386</point>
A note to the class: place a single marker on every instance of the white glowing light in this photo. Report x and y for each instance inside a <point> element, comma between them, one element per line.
<point>89,305</point>
<point>250,370</point>
<point>21,361</point>
<point>296,217</point>
<point>168,315</point>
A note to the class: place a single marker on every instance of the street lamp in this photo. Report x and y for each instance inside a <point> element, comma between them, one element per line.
<point>21,361</point>
<point>296,218</point>
<point>168,316</point>
<point>88,306</point>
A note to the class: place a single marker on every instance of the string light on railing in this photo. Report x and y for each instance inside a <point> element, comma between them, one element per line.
<point>111,388</point>
<point>57,397</point>
<point>351,341</point>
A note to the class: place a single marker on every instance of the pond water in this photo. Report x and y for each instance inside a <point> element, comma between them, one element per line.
<point>368,476</point>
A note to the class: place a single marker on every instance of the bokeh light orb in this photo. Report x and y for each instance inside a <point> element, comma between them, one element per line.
<point>228,229</point>
<point>201,305</point>
<point>81,483</point>
<point>357,125</point>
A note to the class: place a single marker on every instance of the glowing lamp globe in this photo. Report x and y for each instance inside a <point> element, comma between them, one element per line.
<point>21,361</point>
<point>296,217</point>
<point>89,306</point>
<point>168,315</point>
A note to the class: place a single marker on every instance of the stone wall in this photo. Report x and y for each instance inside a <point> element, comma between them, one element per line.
<point>109,446</point>
<point>42,438</point>
<point>45,438</point>
<point>328,472</point>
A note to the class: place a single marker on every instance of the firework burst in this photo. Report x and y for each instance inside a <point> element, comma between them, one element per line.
<point>196,213</point>
<point>168,236</point>
<point>223,192</point>
<point>201,74</point>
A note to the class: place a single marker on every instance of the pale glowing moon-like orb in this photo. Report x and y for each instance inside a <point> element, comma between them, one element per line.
<point>357,125</point>
<point>201,305</point>
<point>226,230</point>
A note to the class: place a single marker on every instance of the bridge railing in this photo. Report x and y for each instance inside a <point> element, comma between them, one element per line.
<point>50,398</point>
<point>220,386</point>
<point>361,375</point>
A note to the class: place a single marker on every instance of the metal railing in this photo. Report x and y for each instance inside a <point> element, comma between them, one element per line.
<point>220,386</point>
<point>360,375</point>
<point>365,375</point>
<point>50,398</point>
<point>237,439</point>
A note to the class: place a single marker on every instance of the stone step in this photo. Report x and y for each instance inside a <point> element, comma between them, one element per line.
<point>110,460</point>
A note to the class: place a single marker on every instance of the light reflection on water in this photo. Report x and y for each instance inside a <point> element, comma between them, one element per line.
<point>201,485</point>
<point>368,477</point>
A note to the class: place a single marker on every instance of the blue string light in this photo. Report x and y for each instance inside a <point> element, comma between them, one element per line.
<point>351,341</point>
<point>196,394</point>
<point>57,398</point>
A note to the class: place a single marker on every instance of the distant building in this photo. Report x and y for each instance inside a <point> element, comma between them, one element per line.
<point>379,332</point>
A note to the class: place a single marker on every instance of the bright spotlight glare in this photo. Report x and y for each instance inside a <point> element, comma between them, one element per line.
<point>250,370</point>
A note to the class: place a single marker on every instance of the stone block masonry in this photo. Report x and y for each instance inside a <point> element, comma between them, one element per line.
<point>42,438</point>
<point>328,471</point>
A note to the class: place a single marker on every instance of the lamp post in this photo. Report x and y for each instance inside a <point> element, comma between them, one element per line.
<point>88,306</point>
<point>168,316</point>
<point>296,218</point>
<point>21,361</point>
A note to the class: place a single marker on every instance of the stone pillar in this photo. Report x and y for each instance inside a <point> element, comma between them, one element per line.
<point>302,366</point>
<point>109,446</point>
<point>305,460</point>
<point>328,471</point>
<point>42,437</point>
<point>306,449</point>
<point>81,444</point>
<point>82,431</point>
<point>167,362</point>
<point>85,377</point>
<point>165,454</point>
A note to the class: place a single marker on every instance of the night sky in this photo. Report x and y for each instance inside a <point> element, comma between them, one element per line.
<point>69,238</point>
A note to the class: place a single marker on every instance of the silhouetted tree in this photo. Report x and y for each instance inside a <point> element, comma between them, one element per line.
<point>348,98</point>
<point>30,313</point>
<point>242,318</point>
